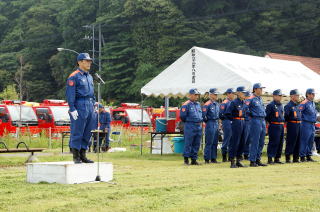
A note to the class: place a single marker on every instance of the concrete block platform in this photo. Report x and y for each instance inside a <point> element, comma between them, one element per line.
<point>66,172</point>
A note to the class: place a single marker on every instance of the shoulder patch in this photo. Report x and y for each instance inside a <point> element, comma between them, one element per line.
<point>187,102</point>
<point>183,109</point>
<point>70,82</point>
<point>221,107</point>
<point>74,73</point>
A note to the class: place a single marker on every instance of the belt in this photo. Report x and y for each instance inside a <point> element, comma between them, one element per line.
<point>194,122</point>
<point>277,122</point>
<point>238,118</point>
<point>84,99</point>
<point>296,122</point>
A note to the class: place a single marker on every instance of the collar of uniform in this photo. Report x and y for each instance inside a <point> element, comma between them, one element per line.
<point>276,103</point>
<point>294,103</point>
<point>82,71</point>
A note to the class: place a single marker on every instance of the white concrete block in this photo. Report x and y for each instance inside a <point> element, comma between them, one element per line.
<point>66,172</point>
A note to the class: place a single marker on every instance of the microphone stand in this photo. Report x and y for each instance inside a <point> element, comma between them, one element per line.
<point>98,178</point>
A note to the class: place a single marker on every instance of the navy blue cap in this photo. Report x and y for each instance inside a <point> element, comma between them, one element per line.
<point>194,91</point>
<point>277,92</point>
<point>229,90</point>
<point>100,106</point>
<point>257,85</point>
<point>84,56</point>
<point>294,92</point>
<point>310,91</point>
<point>247,93</point>
<point>241,89</point>
<point>213,91</point>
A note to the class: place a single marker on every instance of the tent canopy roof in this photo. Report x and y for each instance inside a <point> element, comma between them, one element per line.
<point>206,68</point>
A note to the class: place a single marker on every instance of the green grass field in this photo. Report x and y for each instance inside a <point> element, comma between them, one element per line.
<point>163,183</point>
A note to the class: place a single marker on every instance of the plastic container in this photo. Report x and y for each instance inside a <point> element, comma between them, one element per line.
<point>171,125</point>
<point>161,125</point>
<point>178,144</point>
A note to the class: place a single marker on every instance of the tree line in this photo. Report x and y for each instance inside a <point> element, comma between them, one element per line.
<point>141,38</point>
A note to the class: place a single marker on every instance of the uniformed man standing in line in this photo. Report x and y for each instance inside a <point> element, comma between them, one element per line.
<point>292,115</point>
<point>258,126</point>
<point>81,100</point>
<point>309,118</point>
<point>275,118</point>
<point>210,114</point>
<point>191,115</point>
<point>235,113</point>
<point>246,127</point>
<point>226,123</point>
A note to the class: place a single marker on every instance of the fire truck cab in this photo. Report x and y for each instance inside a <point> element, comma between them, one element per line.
<point>15,115</point>
<point>129,115</point>
<point>53,114</point>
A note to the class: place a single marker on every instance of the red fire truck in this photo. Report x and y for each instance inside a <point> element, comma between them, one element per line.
<point>16,117</point>
<point>53,115</point>
<point>129,115</point>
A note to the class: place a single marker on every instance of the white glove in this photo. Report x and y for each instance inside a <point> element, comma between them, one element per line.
<point>74,114</point>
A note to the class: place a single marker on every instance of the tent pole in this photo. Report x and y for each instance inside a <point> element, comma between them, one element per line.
<point>166,106</point>
<point>141,132</point>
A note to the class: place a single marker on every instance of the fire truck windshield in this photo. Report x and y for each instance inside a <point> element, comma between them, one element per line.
<point>60,113</point>
<point>135,116</point>
<point>27,114</point>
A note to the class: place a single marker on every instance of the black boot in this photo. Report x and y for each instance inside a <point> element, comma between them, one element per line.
<point>224,158</point>
<point>309,159</point>
<point>194,162</point>
<point>186,161</point>
<point>253,164</point>
<point>206,161</point>
<point>76,156</point>
<point>270,161</point>
<point>238,163</point>
<point>295,159</point>
<point>303,159</point>
<point>288,159</point>
<point>214,161</point>
<point>233,163</point>
<point>258,162</point>
<point>277,160</point>
<point>83,156</point>
<point>246,157</point>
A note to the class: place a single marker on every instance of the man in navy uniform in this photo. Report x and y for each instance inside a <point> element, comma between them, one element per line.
<point>210,114</point>
<point>258,125</point>
<point>191,115</point>
<point>309,118</point>
<point>246,127</point>
<point>81,100</point>
<point>292,115</point>
<point>235,113</point>
<point>226,123</point>
<point>275,118</point>
<point>105,125</point>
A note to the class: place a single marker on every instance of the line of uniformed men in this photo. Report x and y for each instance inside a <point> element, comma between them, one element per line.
<point>244,126</point>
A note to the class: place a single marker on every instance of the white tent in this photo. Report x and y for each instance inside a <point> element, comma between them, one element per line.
<point>206,68</point>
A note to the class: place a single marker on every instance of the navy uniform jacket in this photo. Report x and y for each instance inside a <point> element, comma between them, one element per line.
<point>223,108</point>
<point>235,109</point>
<point>308,111</point>
<point>79,87</point>
<point>191,112</point>
<point>274,112</point>
<point>256,107</point>
<point>105,120</point>
<point>246,109</point>
<point>292,112</point>
<point>210,111</point>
